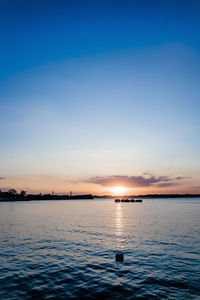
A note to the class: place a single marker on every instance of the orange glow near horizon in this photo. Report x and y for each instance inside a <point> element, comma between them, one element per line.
<point>118,190</point>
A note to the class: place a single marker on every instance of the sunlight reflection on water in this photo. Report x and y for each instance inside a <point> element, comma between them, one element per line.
<point>119,226</point>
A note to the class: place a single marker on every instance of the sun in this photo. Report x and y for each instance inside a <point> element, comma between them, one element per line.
<point>118,190</point>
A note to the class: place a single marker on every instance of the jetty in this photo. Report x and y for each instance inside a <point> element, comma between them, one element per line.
<point>128,200</point>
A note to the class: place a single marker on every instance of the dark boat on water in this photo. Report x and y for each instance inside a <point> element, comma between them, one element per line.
<point>117,200</point>
<point>128,200</point>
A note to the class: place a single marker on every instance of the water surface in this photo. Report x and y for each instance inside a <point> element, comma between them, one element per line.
<point>66,249</point>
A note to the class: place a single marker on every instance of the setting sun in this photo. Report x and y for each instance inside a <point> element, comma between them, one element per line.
<point>118,190</point>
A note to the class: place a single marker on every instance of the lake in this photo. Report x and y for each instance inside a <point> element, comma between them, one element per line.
<point>66,249</point>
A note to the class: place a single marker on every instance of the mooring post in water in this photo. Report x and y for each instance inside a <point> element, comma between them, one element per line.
<point>119,257</point>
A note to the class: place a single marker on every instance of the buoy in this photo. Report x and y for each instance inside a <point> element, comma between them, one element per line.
<point>119,257</point>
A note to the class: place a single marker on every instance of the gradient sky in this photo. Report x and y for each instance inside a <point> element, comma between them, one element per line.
<point>96,94</point>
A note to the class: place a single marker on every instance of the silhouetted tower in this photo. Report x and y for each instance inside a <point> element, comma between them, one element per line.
<point>71,193</point>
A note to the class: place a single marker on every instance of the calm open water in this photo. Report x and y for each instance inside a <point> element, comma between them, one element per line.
<point>66,249</point>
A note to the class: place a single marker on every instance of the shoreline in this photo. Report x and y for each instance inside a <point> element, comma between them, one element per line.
<point>29,198</point>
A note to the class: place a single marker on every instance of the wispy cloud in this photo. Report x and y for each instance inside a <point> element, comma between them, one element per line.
<point>182,177</point>
<point>136,181</point>
<point>166,184</point>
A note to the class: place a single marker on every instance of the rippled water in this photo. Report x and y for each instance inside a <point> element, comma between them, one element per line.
<point>66,249</point>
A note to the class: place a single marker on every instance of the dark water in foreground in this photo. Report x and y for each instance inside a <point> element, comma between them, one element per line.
<point>66,249</point>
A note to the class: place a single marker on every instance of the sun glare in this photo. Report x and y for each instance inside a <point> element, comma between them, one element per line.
<point>118,190</point>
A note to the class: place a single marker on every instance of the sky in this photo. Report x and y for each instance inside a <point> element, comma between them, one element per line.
<point>100,94</point>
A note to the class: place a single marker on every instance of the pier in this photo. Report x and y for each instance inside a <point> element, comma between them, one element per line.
<point>128,200</point>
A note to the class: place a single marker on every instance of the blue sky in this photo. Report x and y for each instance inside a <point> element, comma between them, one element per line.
<point>96,89</point>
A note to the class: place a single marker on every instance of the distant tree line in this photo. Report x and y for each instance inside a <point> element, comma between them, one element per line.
<point>170,196</point>
<point>152,196</point>
<point>13,195</point>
